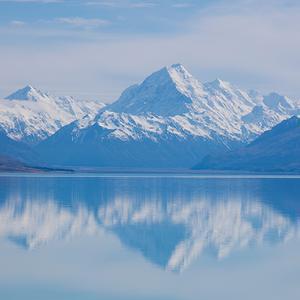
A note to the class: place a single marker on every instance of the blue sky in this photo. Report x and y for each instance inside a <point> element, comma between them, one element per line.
<point>118,16</point>
<point>97,48</point>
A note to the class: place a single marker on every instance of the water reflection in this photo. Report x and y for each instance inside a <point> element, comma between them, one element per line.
<point>171,221</point>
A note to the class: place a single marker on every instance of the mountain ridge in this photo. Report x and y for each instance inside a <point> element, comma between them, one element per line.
<point>27,93</point>
<point>30,115</point>
<point>169,120</point>
<point>277,149</point>
<point>160,121</point>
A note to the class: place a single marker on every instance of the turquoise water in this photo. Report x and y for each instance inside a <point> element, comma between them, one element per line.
<point>155,236</point>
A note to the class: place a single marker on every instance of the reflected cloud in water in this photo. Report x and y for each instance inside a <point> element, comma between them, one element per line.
<point>170,221</point>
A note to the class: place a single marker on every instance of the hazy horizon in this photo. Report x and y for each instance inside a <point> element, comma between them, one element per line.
<point>96,49</point>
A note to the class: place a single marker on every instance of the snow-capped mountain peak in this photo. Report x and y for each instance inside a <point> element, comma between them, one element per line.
<point>174,91</point>
<point>185,82</point>
<point>30,115</point>
<point>178,72</point>
<point>28,93</point>
<point>167,92</point>
<point>171,109</point>
<point>220,84</point>
<point>225,88</point>
<point>278,102</point>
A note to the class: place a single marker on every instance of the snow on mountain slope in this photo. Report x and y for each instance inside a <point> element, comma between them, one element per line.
<point>279,103</point>
<point>169,91</point>
<point>166,116</point>
<point>275,150</point>
<point>273,109</point>
<point>173,92</point>
<point>28,93</point>
<point>180,105</point>
<point>137,127</point>
<point>30,115</point>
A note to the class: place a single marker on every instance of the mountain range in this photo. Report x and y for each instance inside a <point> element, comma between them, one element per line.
<point>170,120</point>
<point>275,150</point>
<point>30,115</point>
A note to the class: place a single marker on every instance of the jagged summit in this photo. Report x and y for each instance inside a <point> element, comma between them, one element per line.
<point>28,93</point>
<point>219,84</point>
<point>278,102</point>
<point>30,115</point>
<point>173,91</point>
<point>168,120</point>
<point>177,66</point>
<point>175,74</point>
<point>166,92</point>
<point>276,150</point>
<point>178,70</point>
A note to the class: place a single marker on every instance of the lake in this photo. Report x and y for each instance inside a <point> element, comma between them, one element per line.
<point>156,236</point>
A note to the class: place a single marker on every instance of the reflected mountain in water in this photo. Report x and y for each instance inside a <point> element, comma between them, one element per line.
<point>170,221</point>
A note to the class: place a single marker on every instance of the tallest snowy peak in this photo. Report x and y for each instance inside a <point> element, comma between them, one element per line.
<point>178,73</point>
<point>167,92</point>
<point>179,69</point>
<point>177,76</point>
<point>28,93</point>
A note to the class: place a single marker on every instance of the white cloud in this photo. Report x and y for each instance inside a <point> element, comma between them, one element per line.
<point>83,22</point>
<point>182,5</point>
<point>33,1</point>
<point>143,5</point>
<point>17,23</point>
<point>123,4</point>
<point>250,47</point>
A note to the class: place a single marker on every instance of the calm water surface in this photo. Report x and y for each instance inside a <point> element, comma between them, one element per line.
<point>149,237</point>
